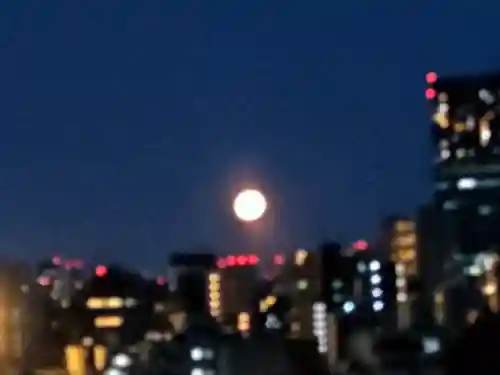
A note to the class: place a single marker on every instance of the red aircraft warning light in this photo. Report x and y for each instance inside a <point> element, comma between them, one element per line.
<point>360,245</point>
<point>430,94</point>
<point>101,271</point>
<point>237,260</point>
<point>160,280</point>
<point>431,78</point>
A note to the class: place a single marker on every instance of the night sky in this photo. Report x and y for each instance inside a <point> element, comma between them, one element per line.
<point>127,126</point>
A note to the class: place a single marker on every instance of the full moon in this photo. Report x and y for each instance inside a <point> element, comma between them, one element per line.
<point>249,205</point>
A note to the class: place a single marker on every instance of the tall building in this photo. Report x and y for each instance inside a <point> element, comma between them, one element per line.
<point>466,141</point>
<point>189,274</point>
<point>233,290</point>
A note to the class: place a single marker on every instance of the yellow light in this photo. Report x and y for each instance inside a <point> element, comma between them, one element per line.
<point>300,257</point>
<point>214,296</point>
<point>214,277</point>
<point>100,357</point>
<point>214,304</point>
<point>270,300</point>
<point>114,303</point>
<point>459,127</point>
<point>404,225</point>
<point>490,288</point>
<point>108,321</point>
<point>263,306</point>
<point>243,322</point>
<point>96,303</point>
<point>75,360</point>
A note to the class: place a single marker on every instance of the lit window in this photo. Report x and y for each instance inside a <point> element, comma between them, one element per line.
<point>96,303</point>
<point>466,183</point>
<point>108,321</point>
<point>114,303</point>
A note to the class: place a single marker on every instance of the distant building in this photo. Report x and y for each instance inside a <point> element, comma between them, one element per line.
<point>465,133</point>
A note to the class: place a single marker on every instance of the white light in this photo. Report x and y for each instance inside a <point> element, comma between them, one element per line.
<point>197,371</point>
<point>402,297</point>
<point>250,205</point>
<point>378,305</point>
<point>348,307</point>
<point>374,265</point>
<point>375,279</point>
<point>376,293</point>
<point>302,284</point>
<point>196,354</point>
<point>272,322</point>
<point>122,361</point>
<point>431,345</point>
<point>319,306</point>
<point>361,267</point>
<point>486,96</point>
<point>466,183</point>
<point>113,371</point>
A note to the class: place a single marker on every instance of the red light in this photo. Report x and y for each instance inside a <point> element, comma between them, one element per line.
<point>56,261</point>
<point>431,78</point>
<point>44,280</point>
<point>231,260</point>
<point>221,263</point>
<point>241,260</point>
<point>279,259</point>
<point>253,259</point>
<point>160,280</point>
<point>430,94</point>
<point>360,245</point>
<point>101,271</point>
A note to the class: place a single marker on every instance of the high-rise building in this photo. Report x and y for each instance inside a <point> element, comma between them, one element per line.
<point>466,139</point>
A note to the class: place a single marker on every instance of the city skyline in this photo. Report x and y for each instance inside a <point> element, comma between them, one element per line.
<point>128,130</point>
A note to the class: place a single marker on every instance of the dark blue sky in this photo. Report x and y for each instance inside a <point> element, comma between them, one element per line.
<point>126,126</point>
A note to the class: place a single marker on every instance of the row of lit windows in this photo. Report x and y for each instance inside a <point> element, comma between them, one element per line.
<point>214,295</point>
<point>95,303</point>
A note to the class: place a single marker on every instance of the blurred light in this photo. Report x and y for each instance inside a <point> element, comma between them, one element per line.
<point>114,303</point>
<point>230,260</point>
<point>300,257</point>
<point>96,303</point>
<point>121,360</point>
<point>196,354</point>
<point>56,261</point>
<point>375,279</point>
<point>243,322</point>
<point>302,284</point>
<point>360,245</point>
<point>430,94</point>
<point>108,321</point>
<point>270,301</point>
<point>221,263</point>
<point>160,280</point>
<point>113,371</point>
<point>75,360</point>
<point>197,371</point>
<point>100,357</point>
<point>279,259</point>
<point>376,293</point>
<point>361,266</point>
<point>374,265</point>
<point>378,305</point>
<point>44,280</point>
<point>431,78</point>
<point>348,307</point>
<point>101,271</point>
<point>241,260</point>
<point>253,259</point>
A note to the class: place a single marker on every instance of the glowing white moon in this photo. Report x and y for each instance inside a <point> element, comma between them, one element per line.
<point>249,205</point>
